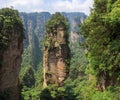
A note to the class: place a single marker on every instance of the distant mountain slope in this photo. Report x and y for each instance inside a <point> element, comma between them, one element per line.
<point>74,19</point>
<point>35,28</point>
<point>34,24</point>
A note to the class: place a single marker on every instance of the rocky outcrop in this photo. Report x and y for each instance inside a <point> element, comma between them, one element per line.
<point>11,44</point>
<point>10,68</point>
<point>55,59</point>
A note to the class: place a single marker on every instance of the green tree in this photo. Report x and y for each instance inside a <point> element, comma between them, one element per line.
<point>102,33</point>
<point>28,78</point>
<point>56,20</point>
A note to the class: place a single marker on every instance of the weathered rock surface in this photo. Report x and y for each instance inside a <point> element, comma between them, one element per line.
<point>11,47</point>
<point>10,68</point>
<point>55,59</point>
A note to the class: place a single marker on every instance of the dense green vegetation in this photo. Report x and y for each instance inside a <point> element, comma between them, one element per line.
<point>102,33</point>
<point>56,20</point>
<point>102,41</point>
<point>10,23</point>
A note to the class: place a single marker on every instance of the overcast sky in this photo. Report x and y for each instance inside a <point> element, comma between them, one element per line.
<point>51,6</point>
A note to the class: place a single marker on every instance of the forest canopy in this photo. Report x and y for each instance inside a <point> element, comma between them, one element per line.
<point>102,33</point>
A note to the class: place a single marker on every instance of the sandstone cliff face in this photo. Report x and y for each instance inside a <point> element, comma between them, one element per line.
<point>10,68</point>
<point>55,59</point>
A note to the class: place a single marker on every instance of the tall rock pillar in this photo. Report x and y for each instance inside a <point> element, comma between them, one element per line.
<point>11,47</point>
<point>56,51</point>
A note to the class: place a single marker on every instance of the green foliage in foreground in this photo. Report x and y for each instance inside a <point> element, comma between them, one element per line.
<point>28,78</point>
<point>78,90</point>
<point>32,83</point>
<point>56,93</point>
<point>102,34</point>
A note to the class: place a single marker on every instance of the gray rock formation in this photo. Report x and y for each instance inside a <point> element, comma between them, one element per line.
<point>54,59</point>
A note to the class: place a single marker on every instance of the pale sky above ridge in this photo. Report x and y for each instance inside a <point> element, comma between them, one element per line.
<point>51,6</point>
